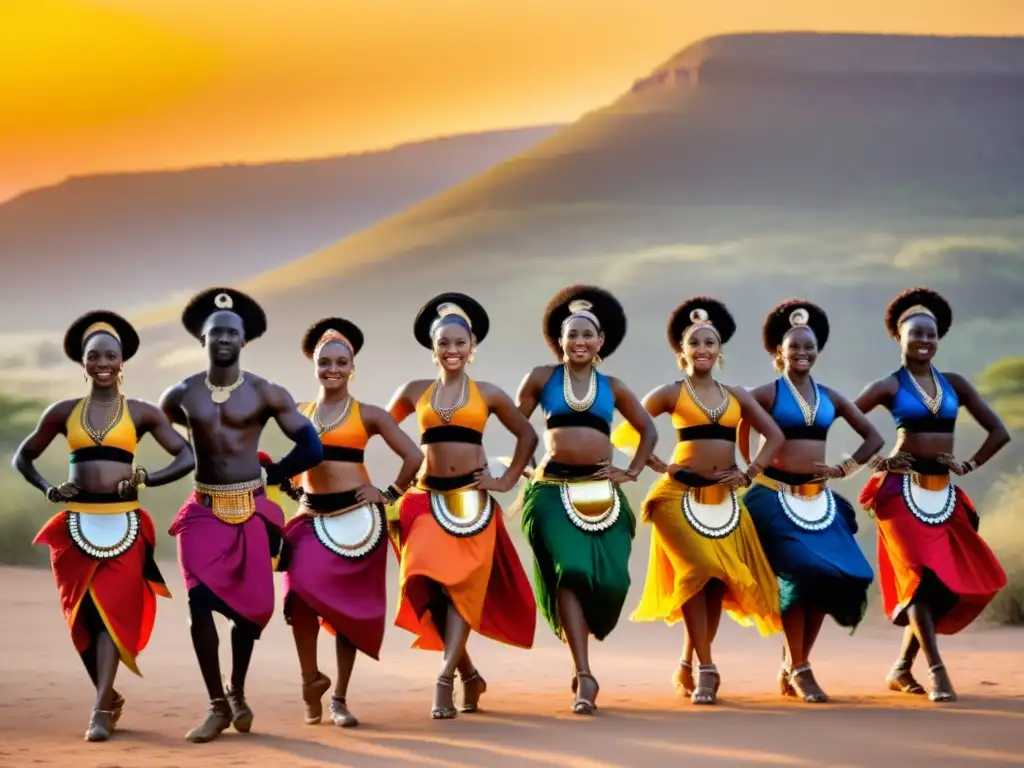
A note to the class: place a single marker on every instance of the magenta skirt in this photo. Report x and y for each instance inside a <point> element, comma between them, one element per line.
<point>233,561</point>
<point>347,591</point>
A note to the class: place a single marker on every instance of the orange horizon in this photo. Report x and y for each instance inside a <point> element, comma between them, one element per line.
<point>115,86</point>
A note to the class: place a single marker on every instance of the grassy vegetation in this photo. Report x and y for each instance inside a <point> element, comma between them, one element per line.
<point>1003,529</point>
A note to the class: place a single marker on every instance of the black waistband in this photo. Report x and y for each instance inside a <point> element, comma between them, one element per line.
<point>569,471</point>
<point>100,453</point>
<point>578,419</point>
<point>803,432</point>
<point>707,432</point>
<point>788,478</point>
<point>451,434</point>
<point>338,453</point>
<point>928,467</point>
<point>928,424</point>
<point>447,483</point>
<point>692,479</point>
<point>95,497</point>
<point>330,502</point>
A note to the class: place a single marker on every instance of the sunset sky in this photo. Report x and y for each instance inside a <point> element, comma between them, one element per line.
<point>113,85</point>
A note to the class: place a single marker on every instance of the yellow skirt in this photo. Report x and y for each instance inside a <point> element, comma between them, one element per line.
<point>702,534</point>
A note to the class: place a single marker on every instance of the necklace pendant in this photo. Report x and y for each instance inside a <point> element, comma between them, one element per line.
<point>220,396</point>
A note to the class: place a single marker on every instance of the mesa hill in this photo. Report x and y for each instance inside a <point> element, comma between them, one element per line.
<point>840,168</point>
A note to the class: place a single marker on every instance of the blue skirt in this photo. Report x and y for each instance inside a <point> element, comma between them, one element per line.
<point>822,569</point>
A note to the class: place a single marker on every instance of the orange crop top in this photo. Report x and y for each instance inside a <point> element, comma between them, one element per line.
<point>118,443</point>
<point>466,424</point>
<point>347,441</point>
<point>692,423</point>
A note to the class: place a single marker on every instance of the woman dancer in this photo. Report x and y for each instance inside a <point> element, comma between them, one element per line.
<point>807,530</point>
<point>101,545</point>
<point>575,515</point>
<point>705,555</point>
<point>459,569</point>
<point>936,572</point>
<point>334,555</point>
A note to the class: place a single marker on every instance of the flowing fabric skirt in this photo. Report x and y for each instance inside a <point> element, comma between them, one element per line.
<point>823,568</point>
<point>593,564</point>
<point>693,544</point>
<point>348,593</point>
<point>471,558</point>
<point>940,558</point>
<point>122,588</point>
<point>233,561</point>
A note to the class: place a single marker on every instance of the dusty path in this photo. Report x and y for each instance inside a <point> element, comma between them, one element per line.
<point>46,701</point>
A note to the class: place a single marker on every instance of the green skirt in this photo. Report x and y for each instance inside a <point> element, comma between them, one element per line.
<point>593,565</point>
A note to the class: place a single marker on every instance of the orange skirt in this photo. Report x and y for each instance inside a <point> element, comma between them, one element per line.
<point>123,588</point>
<point>480,574</point>
<point>948,564</point>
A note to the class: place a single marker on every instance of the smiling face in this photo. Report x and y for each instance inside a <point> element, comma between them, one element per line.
<point>701,350</point>
<point>102,360</point>
<point>799,351</point>
<point>919,338</point>
<point>581,341</point>
<point>453,345</point>
<point>334,365</point>
<point>223,337</point>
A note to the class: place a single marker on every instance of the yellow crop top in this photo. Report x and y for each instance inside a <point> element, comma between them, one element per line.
<point>466,424</point>
<point>117,443</point>
<point>693,423</point>
<point>347,441</point>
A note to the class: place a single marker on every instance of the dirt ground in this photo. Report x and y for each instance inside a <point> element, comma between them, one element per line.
<point>526,719</point>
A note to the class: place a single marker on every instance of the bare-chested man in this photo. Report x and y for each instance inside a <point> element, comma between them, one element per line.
<point>229,531</point>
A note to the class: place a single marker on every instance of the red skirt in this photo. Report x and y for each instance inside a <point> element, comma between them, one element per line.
<point>480,573</point>
<point>947,562</point>
<point>123,588</point>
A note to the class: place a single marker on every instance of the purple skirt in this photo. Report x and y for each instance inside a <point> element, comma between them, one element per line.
<point>349,594</point>
<point>232,561</point>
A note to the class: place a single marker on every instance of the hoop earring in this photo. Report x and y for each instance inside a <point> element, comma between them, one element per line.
<point>85,377</point>
<point>681,361</point>
<point>721,361</point>
<point>565,357</point>
<point>352,375</point>
<point>472,356</point>
<point>120,378</point>
<point>434,359</point>
<point>597,361</point>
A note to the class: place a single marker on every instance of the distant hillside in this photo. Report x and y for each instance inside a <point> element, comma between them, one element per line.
<point>841,168</point>
<point>152,235</point>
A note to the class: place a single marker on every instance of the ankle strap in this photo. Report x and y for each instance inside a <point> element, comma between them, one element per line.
<point>707,668</point>
<point>936,667</point>
<point>801,669</point>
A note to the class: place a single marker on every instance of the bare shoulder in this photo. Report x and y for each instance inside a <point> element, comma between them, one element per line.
<point>60,410</point>
<point>414,389</point>
<point>372,413</point>
<point>491,392</point>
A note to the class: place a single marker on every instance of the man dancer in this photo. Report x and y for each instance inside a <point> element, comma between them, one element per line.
<point>229,531</point>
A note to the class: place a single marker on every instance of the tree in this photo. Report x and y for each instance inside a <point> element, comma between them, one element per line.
<point>17,416</point>
<point>1002,383</point>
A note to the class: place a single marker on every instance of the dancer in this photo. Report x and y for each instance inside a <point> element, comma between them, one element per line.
<point>228,530</point>
<point>575,515</point>
<point>101,545</point>
<point>936,572</point>
<point>459,569</point>
<point>705,555</point>
<point>335,553</point>
<point>806,529</point>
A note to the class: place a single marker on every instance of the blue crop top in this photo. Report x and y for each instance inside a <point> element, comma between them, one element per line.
<point>787,414</point>
<point>557,412</point>
<point>912,415</point>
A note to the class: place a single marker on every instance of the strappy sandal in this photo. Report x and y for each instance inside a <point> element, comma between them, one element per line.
<point>708,681</point>
<point>901,680</point>
<point>785,686</point>
<point>581,706</point>
<point>444,713</point>
<point>936,694</point>
<point>805,687</point>
<point>682,686</point>
<point>100,725</point>
<point>473,687</point>
<point>313,694</point>
<point>340,715</point>
<point>118,709</point>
